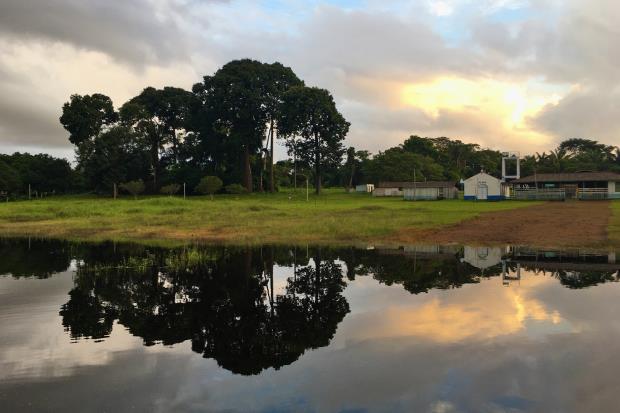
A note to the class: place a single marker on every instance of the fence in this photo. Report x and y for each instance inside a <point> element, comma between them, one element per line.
<point>591,194</point>
<point>559,194</point>
<point>548,194</point>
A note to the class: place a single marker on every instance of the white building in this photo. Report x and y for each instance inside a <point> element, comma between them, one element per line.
<point>483,187</point>
<point>365,188</point>
<point>431,190</point>
<point>482,257</point>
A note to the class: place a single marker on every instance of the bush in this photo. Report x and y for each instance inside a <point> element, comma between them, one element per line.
<point>235,189</point>
<point>135,188</point>
<point>209,185</point>
<point>170,189</point>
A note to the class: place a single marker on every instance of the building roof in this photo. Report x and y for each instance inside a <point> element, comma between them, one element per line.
<point>486,175</point>
<point>424,184</point>
<point>570,177</point>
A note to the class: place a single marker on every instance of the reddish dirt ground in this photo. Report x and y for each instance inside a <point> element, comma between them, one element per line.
<point>574,224</point>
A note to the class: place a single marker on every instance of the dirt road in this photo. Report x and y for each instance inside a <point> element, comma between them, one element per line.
<point>566,224</point>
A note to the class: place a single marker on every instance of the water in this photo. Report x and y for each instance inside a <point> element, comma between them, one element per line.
<point>117,327</point>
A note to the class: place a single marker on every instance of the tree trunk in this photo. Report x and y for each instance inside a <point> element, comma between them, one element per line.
<point>272,186</point>
<point>155,164</point>
<point>352,174</point>
<point>317,164</point>
<point>247,169</point>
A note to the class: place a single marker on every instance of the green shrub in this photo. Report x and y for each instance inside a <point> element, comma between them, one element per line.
<point>135,188</point>
<point>170,189</point>
<point>235,189</point>
<point>209,185</point>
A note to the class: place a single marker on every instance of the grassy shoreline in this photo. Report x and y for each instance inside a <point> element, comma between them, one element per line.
<point>334,218</point>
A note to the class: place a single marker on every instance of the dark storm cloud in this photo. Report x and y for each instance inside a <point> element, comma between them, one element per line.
<point>133,31</point>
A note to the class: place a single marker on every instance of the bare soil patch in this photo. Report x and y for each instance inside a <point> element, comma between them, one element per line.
<point>566,224</point>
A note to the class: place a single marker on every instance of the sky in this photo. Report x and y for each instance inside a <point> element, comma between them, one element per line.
<point>512,75</point>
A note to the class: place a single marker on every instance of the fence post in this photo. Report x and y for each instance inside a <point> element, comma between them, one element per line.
<point>183,190</point>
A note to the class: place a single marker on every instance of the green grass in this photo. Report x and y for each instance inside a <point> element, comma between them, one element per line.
<point>334,217</point>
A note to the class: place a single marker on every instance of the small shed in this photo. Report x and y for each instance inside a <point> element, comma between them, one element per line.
<point>365,188</point>
<point>483,187</point>
<point>430,190</point>
<point>389,189</point>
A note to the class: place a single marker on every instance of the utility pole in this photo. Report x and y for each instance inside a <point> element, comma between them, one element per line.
<point>415,187</point>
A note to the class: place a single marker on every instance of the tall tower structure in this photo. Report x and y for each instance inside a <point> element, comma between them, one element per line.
<point>511,158</point>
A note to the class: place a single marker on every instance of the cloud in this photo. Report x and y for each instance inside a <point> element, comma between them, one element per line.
<point>139,31</point>
<point>37,79</point>
<point>584,113</point>
<point>560,57</point>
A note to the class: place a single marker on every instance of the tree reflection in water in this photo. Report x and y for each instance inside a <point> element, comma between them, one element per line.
<point>222,299</point>
<point>225,299</point>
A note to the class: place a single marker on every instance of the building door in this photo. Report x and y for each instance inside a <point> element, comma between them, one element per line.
<point>571,191</point>
<point>483,192</point>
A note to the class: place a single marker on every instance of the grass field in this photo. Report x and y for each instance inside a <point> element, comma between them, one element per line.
<point>332,218</point>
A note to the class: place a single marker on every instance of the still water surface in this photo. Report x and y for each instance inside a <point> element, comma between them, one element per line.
<point>119,327</point>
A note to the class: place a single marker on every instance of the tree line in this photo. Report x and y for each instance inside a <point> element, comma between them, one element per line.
<point>221,135</point>
<point>224,127</point>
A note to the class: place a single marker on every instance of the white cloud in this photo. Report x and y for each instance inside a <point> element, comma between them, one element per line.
<point>367,57</point>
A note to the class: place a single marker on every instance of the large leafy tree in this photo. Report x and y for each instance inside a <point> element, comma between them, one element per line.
<point>310,113</point>
<point>42,172</point>
<point>158,116</point>
<point>234,99</point>
<point>10,181</point>
<point>396,164</point>
<point>115,156</point>
<point>84,116</point>
<point>279,79</point>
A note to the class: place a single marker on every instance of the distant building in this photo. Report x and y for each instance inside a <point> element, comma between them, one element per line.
<point>483,187</point>
<point>417,190</point>
<point>482,257</point>
<point>431,190</point>
<point>390,189</point>
<point>581,185</point>
<point>365,188</point>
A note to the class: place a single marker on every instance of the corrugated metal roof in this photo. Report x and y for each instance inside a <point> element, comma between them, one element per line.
<point>570,177</point>
<point>425,184</point>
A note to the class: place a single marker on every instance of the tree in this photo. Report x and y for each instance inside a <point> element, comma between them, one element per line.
<point>279,79</point>
<point>10,181</point>
<point>170,189</point>
<point>209,185</point>
<point>112,157</point>
<point>311,114</point>
<point>84,116</point>
<point>235,98</point>
<point>157,116</point>
<point>397,165</point>
<point>42,172</point>
<point>135,188</point>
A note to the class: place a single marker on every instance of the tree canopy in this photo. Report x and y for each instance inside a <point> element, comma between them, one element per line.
<point>226,126</point>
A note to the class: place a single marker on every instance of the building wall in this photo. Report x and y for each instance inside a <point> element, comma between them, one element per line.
<point>387,192</point>
<point>611,187</point>
<point>494,187</point>
<point>365,188</point>
<point>421,193</point>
